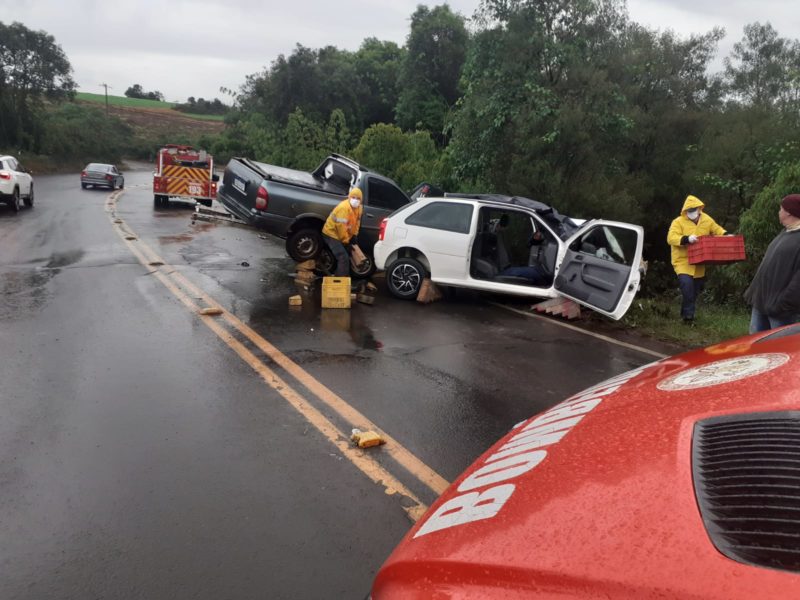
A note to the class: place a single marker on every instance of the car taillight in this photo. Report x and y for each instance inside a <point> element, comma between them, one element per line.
<point>5,175</point>
<point>262,198</point>
<point>83,173</point>
<point>109,177</point>
<point>382,230</point>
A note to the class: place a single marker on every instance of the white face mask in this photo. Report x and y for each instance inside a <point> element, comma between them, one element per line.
<point>354,202</point>
<point>693,214</point>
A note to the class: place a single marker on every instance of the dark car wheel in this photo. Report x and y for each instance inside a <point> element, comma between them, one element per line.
<point>326,264</point>
<point>159,200</point>
<point>14,203</point>
<point>326,261</point>
<point>304,244</point>
<point>84,185</point>
<point>404,278</point>
<point>366,269</point>
<point>122,184</point>
<point>29,199</point>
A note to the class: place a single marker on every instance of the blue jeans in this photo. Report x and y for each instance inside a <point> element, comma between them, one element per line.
<point>690,290</point>
<point>534,274</point>
<point>761,322</point>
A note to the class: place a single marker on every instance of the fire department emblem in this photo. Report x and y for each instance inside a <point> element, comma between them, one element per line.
<point>723,371</point>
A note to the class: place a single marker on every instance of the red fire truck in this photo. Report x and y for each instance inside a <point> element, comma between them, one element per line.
<point>184,172</point>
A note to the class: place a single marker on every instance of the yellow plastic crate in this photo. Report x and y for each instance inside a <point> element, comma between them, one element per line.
<point>335,292</point>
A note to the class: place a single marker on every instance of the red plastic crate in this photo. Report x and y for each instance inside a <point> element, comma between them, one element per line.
<point>717,250</point>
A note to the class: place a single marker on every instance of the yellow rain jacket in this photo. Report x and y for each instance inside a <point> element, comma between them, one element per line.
<point>343,222</point>
<point>683,226</point>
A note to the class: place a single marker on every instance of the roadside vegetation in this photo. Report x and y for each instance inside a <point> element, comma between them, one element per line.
<point>572,103</point>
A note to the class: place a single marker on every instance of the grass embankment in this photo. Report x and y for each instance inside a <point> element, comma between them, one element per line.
<point>660,318</point>
<point>125,102</point>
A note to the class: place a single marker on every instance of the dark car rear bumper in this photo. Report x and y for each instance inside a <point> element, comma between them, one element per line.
<point>274,224</point>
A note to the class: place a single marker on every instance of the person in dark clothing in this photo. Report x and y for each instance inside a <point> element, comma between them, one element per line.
<point>774,292</point>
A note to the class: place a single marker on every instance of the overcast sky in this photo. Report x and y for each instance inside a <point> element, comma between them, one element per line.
<point>191,48</point>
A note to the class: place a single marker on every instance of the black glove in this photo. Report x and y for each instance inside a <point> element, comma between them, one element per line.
<point>354,240</point>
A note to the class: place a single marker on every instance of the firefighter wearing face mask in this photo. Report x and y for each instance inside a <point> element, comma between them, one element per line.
<point>341,230</point>
<point>684,231</point>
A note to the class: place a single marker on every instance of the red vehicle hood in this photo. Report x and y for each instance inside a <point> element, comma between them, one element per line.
<point>595,498</point>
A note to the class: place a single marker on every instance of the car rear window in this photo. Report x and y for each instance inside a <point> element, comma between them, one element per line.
<point>449,216</point>
<point>382,194</point>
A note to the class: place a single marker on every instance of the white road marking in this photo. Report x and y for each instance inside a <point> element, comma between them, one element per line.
<point>599,336</point>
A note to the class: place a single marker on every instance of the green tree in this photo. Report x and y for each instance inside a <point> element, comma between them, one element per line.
<point>429,78</point>
<point>33,69</point>
<point>759,67</point>
<point>315,81</point>
<point>377,66</point>
<point>759,224</point>
<point>408,158</point>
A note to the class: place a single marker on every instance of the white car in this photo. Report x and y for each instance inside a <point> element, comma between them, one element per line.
<point>510,245</point>
<point>15,183</point>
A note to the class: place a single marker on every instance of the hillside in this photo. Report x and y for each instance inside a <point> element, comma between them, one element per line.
<point>153,120</point>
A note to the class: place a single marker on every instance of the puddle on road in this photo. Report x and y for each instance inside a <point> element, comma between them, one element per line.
<point>64,259</point>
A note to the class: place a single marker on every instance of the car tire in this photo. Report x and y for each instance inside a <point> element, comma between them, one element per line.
<point>159,200</point>
<point>366,269</point>
<point>84,185</point>
<point>29,199</point>
<point>14,203</point>
<point>304,244</point>
<point>122,184</point>
<point>404,278</point>
<point>326,261</point>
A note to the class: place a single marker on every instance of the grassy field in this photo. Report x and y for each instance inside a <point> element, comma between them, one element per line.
<point>660,318</point>
<point>125,102</point>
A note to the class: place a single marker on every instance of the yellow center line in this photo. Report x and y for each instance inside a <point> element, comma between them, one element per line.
<point>165,274</point>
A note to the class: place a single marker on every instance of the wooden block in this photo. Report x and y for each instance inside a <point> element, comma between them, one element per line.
<point>428,292</point>
<point>365,298</point>
<point>295,300</point>
<point>305,276</point>
<point>307,265</point>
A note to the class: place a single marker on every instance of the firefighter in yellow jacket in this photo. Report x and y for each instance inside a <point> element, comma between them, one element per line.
<point>341,230</point>
<point>684,231</point>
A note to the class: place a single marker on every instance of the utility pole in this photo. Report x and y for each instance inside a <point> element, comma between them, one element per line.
<point>106,86</point>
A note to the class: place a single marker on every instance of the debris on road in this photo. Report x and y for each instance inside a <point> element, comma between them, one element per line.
<point>244,263</point>
<point>307,265</point>
<point>371,287</point>
<point>211,311</point>
<point>155,263</point>
<point>305,276</point>
<point>365,298</point>
<point>295,300</point>
<point>428,292</point>
<point>560,307</point>
<point>366,439</point>
<point>130,238</point>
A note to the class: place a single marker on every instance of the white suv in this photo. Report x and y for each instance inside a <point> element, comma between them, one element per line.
<point>15,183</point>
<point>510,245</point>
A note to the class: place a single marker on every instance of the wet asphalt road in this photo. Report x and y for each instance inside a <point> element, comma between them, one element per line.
<point>140,457</point>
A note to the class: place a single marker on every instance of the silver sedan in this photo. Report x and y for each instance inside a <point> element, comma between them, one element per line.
<point>98,174</point>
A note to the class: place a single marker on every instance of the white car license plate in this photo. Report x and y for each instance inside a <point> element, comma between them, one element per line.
<point>239,184</point>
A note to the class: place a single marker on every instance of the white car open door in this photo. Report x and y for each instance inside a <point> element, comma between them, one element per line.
<point>600,267</point>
